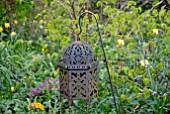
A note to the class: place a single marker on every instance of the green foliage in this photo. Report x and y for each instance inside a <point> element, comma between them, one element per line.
<point>136,42</point>
<point>11,9</point>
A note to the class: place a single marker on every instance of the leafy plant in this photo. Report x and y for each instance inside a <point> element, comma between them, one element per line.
<point>136,43</point>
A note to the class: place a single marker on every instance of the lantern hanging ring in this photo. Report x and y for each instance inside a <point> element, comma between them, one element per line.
<point>104,54</point>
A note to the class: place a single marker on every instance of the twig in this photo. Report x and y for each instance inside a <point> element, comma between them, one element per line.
<point>167,3</point>
<point>126,78</point>
<point>82,8</point>
<point>86,33</point>
<point>101,11</point>
<point>151,107</point>
<point>156,5</point>
<point>143,51</point>
<point>72,6</point>
<point>146,2</point>
<point>65,8</point>
<point>121,8</point>
<point>161,75</point>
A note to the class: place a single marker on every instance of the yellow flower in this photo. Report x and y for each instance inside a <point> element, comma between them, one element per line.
<point>12,89</point>
<point>120,42</point>
<point>7,25</point>
<point>144,62</point>
<point>57,72</point>
<point>25,77</point>
<point>41,21</point>
<point>15,21</point>
<point>36,105</point>
<point>42,49</point>
<point>48,55</point>
<point>1,29</point>
<point>30,106</point>
<point>155,31</point>
<point>13,34</point>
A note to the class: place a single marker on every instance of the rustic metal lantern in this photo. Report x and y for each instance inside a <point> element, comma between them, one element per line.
<point>78,70</point>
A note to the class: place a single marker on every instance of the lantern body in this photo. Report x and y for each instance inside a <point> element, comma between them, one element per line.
<point>78,72</point>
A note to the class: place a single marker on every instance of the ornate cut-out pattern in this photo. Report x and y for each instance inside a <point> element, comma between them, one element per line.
<point>64,82</point>
<point>88,54</point>
<point>78,85</point>
<point>78,54</point>
<point>67,54</point>
<point>93,87</point>
<point>78,72</point>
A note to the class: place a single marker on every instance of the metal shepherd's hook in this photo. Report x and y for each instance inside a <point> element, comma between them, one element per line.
<point>104,54</point>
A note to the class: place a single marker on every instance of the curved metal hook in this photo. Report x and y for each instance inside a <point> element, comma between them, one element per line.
<point>81,16</point>
<point>108,71</point>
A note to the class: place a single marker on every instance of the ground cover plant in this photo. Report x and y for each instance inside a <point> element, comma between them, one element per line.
<point>33,35</point>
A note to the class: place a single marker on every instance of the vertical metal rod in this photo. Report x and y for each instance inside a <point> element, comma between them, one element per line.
<point>104,54</point>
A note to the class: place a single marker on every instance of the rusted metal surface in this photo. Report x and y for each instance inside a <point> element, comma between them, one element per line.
<point>78,72</point>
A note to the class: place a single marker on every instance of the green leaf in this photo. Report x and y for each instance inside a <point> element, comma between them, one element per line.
<point>165,97</point>
<point>99,3</point>
<point>162,12</point>
<point>122,97</point>
<point>146,81</point>
<point>146,92</point>
<point>134,102</point>
<point>129,99</point>
<point>168,39</point>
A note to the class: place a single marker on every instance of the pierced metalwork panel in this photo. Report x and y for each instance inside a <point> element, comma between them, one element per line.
<point>78,53</point>
<point>64,81</point>
<point>93,82</point>
<point>78,72</point>
<point>78,85</point>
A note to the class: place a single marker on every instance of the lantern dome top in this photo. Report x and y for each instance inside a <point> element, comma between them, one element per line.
<point>78,53</point>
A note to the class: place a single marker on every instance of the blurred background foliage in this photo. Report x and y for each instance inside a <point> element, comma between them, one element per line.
<point>139,65</point>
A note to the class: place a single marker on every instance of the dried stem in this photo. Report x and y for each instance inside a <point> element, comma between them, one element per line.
<point>161,75</point>
<point>65,8</point>
<point>167,3</point>
<point>156,5</point>
<point>74,13</point>
<point>122,7</point>
<point>127,79</point>
<point>146,2</point>
<point>86,33</point>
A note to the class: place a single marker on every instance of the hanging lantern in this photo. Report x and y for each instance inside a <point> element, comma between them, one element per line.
<point>78,72</point>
